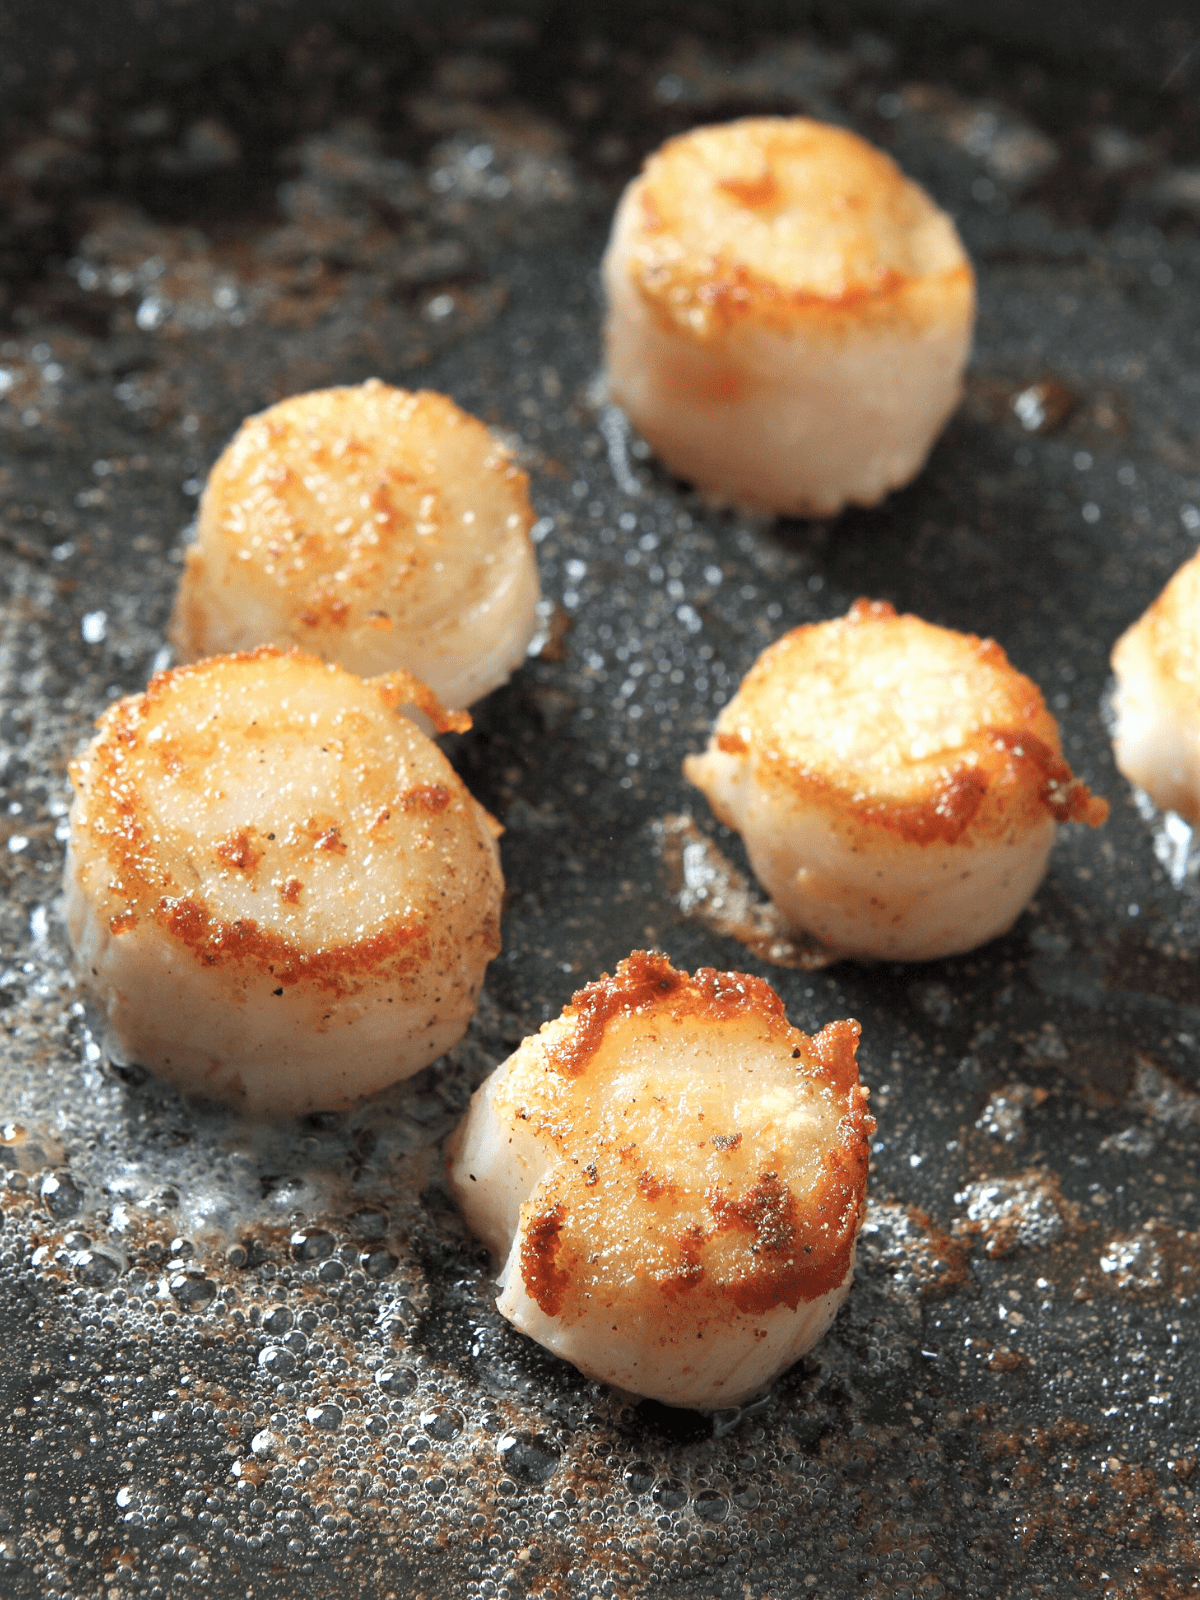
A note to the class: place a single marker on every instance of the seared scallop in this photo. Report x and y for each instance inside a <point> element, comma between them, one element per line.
<point>789,315</point>
<point>896,784</point>
<point>278,889</point>
<point>1157,703</point>
<point>672,1178</point>
<point>373,527</point>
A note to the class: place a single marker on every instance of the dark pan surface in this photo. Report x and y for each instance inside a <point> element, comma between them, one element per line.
<point>219,206</point>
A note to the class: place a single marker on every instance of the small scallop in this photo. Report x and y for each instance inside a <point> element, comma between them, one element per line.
<point>374,527</point>
<point>1157,703</point>
<point>278,890</point>
<point>789,315</point>
<point>673,1178</point>
<point>896,784</point>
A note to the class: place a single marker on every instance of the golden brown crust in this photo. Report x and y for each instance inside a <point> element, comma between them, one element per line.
<point>894,723</point>
<point>400,688</point>
<point>646,981</point>
<point>543,1278</point>
<point>121,847</point>
<point>785,222</point>
<point>334,497</point>
<point>722,1222</point>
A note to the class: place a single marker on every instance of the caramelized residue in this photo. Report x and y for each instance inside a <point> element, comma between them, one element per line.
<point>1062,793</point>
<point>400,688</point>
<point>760,190</point>
<point>543,1278</point>
<point>690,1272</point>
<point>433,797</point>
<point>652,1186</point>
<point>240,851</point>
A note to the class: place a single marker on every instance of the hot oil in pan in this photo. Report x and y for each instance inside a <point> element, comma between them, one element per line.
<point>268,1361</point>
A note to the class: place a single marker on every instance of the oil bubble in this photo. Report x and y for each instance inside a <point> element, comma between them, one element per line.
<point>378,1263</point>
<point>96,1269</point>
<point>639,1475</point>
<point>711,1505</point>
<point>277,1321</point>
<point>61,1194</point>
<point>442,1425</point>
<point>671,1494</point>
<point>531,1458</point>
<point>279,1363</point>
<point>1133,1261</point>
<point>192,1289</point>
<point>370,1223</point>
<point>327,1416</point>
<point>312,1244</point>
<point>396,1380</point>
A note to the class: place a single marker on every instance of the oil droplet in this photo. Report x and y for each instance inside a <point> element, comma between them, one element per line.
<point>312,1244</point>
<point>279,1363</point>
<point>396,1380</point>
<point>378,1263</point>
<point>531,1458</point>
<point>442,1425</point>
<point>192,1289</point>
<point>278,1320</point>
<point>671,1494</point>
<point>61,1194</point>
<point>96,1270</point>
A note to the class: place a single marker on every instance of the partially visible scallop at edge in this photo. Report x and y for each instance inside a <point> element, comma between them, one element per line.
<point>375,527</point>
<point>1156,742</point>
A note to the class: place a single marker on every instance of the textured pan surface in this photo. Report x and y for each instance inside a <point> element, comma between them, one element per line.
<point>263,201</point>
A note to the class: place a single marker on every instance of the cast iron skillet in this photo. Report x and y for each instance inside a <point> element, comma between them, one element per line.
<point>248,1361</point>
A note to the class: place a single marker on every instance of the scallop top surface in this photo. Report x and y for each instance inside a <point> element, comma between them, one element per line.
<point>353,512</point>
<point>1169,631</point>
<point>928,732</point>
<point>704,1148</point>
<point>764,217</point>
<point>273,809</point>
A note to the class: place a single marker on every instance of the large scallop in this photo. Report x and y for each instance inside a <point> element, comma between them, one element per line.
<point>373,527</point>
<point>672,1178</point>
<point>278,890</point>
<point>897,784</point>
<point>789,316</point>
